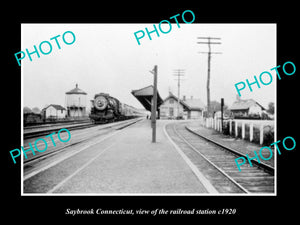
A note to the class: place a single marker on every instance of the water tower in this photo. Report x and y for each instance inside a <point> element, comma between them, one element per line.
<point>76,103</point>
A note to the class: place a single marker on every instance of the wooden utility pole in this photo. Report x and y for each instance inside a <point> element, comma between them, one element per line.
<point>154,104</point>
<point>208,64</point>
<point>179,75</point>
<point>222,110</point>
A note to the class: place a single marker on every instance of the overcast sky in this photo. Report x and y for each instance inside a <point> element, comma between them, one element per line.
<point>107,58</point>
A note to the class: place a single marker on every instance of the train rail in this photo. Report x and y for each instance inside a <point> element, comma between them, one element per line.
<point>48,130</point>
<point>82,137</point>
<point>37,133</point>
<point>262,165</point>
<point>217,164</point>
<point>54,123</point>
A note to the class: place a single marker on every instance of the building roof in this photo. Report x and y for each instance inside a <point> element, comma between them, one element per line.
<point>144,95</point>
<point>76,90</point>
<point>190,104</point>
<point>176,99</point>
<point>57,107</point>
<point>146,91</point>
<point>244,104</point>
<point>195,104</point>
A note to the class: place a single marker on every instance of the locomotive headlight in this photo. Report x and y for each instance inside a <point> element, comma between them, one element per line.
<point>100,103</point>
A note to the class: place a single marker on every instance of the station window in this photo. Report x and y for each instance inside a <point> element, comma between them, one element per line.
<point>171,101</point>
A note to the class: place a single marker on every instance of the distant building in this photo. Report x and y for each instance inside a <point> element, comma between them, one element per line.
<point>246,108</point>
<point>76,103</point>
<point>187,108</point>
<point>54,112</point>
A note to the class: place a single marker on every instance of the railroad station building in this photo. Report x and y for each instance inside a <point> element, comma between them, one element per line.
<point>187,108</point>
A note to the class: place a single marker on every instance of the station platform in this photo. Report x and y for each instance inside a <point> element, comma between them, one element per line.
<point>129,163</point>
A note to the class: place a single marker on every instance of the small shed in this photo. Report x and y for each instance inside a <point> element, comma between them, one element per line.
<point>54,111</point>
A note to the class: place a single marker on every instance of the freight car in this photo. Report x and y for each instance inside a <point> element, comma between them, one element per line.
<point>106,108</point>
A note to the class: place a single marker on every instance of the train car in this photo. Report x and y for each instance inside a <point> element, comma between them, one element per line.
<point>106,108</point>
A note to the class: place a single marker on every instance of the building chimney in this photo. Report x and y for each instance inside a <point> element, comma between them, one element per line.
<point>192,97</point>
<point>184,98</point>
<point>238,98</point>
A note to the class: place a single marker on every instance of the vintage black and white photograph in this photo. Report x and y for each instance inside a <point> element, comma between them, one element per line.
<point>171,108</point>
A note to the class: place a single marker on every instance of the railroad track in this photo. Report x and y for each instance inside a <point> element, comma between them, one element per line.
<point>33,134</point>
<point>217,164</point>
<point>80,138</point>
<point>38,133</point>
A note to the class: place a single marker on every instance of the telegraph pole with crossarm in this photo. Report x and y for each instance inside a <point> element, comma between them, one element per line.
<point>209,42</point>
<point>179,74</point>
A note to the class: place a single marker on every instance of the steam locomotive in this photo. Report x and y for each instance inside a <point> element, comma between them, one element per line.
<point>106,108</point>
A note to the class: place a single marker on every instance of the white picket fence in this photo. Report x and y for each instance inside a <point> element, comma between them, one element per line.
<point>216,124</point>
